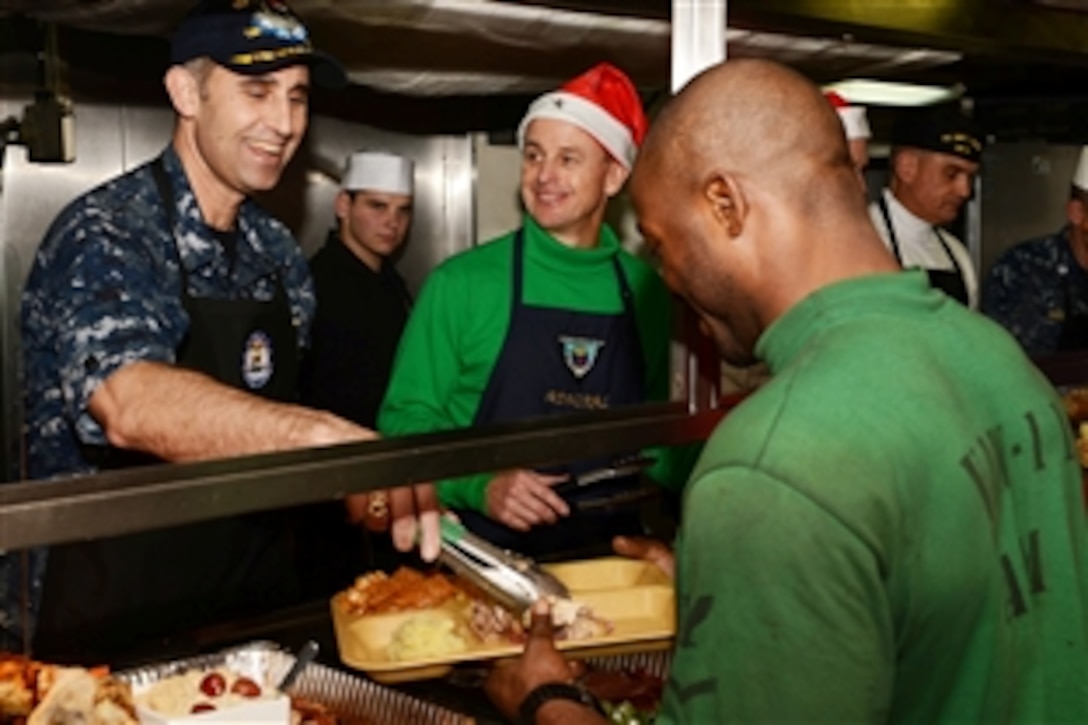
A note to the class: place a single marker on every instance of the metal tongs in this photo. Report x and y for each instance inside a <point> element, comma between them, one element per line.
<point>619,469</point>
<point>513,580</point>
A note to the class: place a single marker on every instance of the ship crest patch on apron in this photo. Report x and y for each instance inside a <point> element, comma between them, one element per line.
<point>257,360</point>
<point>580,354</point>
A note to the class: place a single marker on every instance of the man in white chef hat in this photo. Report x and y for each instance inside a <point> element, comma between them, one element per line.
<point>855,123</point>
<point>362,308</point>
<point>1038,289</point>
<point>362,301</point>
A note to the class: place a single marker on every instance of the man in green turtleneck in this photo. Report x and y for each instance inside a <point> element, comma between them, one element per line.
<point>554,317</point>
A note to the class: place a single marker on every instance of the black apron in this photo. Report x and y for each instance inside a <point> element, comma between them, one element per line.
<point>114,596</point>
<point>949,281</point>
<point>556,361</point>
<point>1074,335</point>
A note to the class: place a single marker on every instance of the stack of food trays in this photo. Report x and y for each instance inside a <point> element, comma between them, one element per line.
<point>633,598</point>
<point>320,695</point>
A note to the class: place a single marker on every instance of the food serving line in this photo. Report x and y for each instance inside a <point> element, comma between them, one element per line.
<point>41,513</point>
<point>119,502</point>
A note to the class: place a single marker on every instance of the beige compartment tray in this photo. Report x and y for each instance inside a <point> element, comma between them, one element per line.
<point>634,596</point>
<point>608,573</point>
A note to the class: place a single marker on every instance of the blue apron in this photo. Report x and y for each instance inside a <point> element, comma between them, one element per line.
<point>557,361</point>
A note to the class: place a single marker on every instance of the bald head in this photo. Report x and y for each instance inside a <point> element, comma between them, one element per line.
<point>746,187</point>
<point>755,119</point>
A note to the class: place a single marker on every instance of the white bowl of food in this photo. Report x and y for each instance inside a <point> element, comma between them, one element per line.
<point>217,695</point>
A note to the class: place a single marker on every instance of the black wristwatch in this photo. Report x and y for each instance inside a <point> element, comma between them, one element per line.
<point>553,691</point>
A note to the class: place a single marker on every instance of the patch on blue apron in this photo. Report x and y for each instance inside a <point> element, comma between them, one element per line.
<point>580,354</point>
<point>257,360</point>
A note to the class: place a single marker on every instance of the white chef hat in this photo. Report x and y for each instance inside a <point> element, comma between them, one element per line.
<point>854,119</point>
<point>378,171</point>
<point>1080,176</point>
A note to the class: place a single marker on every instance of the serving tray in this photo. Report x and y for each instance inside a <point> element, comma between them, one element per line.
<point>634,596</point>
<point>354,700</point>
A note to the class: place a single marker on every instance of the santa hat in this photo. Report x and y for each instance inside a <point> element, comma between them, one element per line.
<point>854,120</point>
<point>378,171</point>
<point>602,102</point>
<point>1080,176</point>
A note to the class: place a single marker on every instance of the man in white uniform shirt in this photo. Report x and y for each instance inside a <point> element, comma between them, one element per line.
<point>935,156</point>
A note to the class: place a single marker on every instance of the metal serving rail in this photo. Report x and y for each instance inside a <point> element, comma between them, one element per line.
<point>34,513</point>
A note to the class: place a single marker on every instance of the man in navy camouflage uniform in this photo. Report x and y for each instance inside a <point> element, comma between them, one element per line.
<point>1038,290</point>
<point>162,321</point>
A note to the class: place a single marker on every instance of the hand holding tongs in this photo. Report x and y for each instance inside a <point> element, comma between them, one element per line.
<point>515,581</point>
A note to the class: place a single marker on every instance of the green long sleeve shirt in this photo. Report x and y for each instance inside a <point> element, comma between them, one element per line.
<point>458,325</point>
<point>890,531</point>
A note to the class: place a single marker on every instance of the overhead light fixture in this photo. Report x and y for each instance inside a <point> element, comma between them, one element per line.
<point>887,93</point>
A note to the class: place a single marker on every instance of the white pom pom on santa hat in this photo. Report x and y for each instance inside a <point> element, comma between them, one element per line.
<point>854,119</point>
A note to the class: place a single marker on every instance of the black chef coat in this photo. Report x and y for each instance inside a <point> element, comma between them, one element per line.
<point>360,317</point>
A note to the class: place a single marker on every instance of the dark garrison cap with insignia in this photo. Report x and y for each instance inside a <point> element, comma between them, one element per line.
<point>939,128</point>
<point>252,37</point>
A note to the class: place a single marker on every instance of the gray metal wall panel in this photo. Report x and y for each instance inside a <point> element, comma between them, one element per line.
<point>1024,189</point>
<point>145,132</point>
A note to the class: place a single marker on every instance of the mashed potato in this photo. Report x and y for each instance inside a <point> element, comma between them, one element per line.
<point>426,636</point>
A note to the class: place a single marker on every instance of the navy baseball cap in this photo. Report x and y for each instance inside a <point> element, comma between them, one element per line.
<point>252,37</point>
<point>939,128</point>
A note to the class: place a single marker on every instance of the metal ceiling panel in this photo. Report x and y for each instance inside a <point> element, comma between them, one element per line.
<point>449,66</point>
<point>463,47</point>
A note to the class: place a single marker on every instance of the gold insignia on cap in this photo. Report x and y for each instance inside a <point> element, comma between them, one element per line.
<point>962,142</point>
<point>267,56</point>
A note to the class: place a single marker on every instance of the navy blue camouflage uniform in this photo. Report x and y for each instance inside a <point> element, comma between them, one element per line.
<point>1039,293</point>
<point>105,290</point>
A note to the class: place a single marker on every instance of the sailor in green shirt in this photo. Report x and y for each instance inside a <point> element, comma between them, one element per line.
<point>890,530</point>
<point>555,317</point>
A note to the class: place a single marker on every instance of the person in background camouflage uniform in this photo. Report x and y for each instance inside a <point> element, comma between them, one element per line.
<point>1038,290</point>
<point>162,321</point>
